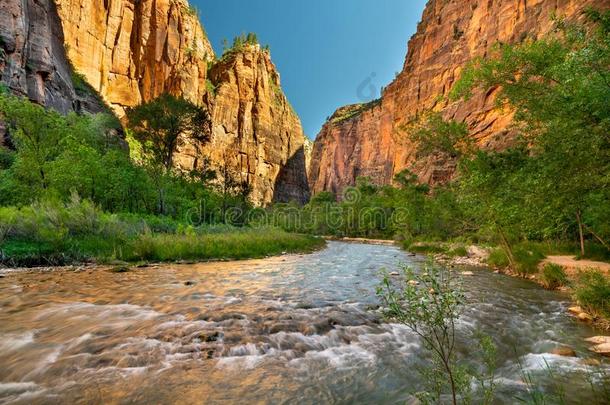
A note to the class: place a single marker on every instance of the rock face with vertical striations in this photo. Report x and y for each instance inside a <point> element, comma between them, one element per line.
<point>32,58</point>
<point>451,33</point>
<point>33,61</point>
<point>132,51</point>
<point>255,130</point>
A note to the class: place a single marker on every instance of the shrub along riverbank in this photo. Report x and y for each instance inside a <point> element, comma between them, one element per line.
<point>49,234</point>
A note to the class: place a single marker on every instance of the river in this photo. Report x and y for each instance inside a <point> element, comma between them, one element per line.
<point>290,329</point>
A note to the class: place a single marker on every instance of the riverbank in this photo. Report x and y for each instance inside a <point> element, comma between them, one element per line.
<point>233,244</point>
<point>586,281</point>
<point>382,242</point>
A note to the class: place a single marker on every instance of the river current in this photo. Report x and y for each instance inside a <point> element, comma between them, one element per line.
<point>292,329</point>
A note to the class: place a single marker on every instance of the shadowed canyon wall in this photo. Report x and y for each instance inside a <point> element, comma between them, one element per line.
<point>371,142</point>
<point>131,51</point>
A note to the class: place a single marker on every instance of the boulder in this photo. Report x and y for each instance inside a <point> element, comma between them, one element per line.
<point>564,351</point>
<point>598,340</point>
<point>583,316</point>
<point>575,310</point>
<point>603,349</point>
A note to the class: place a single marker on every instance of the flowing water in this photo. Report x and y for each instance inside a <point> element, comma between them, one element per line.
<point>294,329</point>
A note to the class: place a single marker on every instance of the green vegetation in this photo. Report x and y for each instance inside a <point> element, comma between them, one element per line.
<point>430,303</point>
<point>242,244</point>
<point>498,259</point>
<point>191,10</point>
<point>592,291</point>
<point>354,111</point>
<point>54,233</point>
<point>161,126</point>
<point>70,190</point>
<point>210,87</point>
<point>434,135</point>
<point>240,42</point>
<point>553,276</point>
<point>80,83</point>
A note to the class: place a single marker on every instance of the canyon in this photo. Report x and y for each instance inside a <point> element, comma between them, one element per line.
<point>371,140</point>
<point>131,52</point>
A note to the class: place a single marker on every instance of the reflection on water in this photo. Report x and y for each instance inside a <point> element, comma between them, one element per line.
<point>292,329</point>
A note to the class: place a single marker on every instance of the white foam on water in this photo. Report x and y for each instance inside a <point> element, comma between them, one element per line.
<point>19,391</point>
<point>312,342</point>
<point>123,371</point>
<point>79,340</point>
<point>13,341</point>
<point>248,349</point>
<point>7,388</point>
<point>86,310</point>
<point>244,357</point>
<point>47,361</point>
<point>545,361</point>
<point>343,357</point>
<point>232,300</point>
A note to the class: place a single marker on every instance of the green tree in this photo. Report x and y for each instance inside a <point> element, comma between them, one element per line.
<point>163,125</point>
<point>434,135</point>
<point>36,134</point>
<point>430,303</point>
<point>559,88</point>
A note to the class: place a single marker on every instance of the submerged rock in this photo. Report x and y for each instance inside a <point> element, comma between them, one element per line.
<point>564,351</point>
<point>120,269</point>
<point>598,340</point>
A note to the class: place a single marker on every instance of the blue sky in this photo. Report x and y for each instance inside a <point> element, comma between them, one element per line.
<point>329,52</point>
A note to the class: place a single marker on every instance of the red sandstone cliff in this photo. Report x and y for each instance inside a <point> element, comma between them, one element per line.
<point>450,34</point>
<point>131,51</point>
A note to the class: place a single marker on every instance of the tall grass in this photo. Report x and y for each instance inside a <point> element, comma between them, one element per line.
<point>592,291</point>
<point>53,233</point>
<point>253,243</point>
<point>553,276</point>
<point>527,258</point>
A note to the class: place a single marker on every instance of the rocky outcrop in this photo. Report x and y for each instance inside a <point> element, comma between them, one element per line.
<point>452,32</point>
<point>32,57</point>
<point>131,52</point>
<point>255,131</point>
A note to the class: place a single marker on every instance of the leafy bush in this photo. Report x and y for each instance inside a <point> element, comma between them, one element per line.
<point>498,258</point>
<point>553,276</point>
<point>528,259</point>
<point>459,251</point>
<point>592,291</point>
